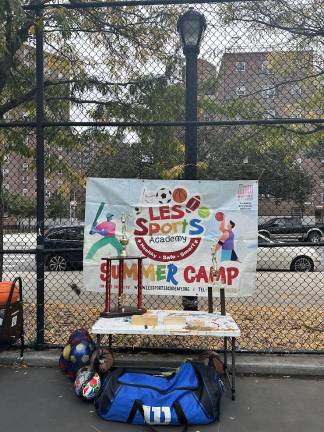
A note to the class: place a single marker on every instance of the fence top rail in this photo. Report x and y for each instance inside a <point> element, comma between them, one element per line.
<point>265,122</point>
<point>121,3</point>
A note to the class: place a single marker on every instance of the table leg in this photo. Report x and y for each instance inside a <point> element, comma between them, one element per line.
<point>225,352</point>
<point>139,283</point>
<point>108,285</point>
<point>120,284</point>
<point>233,367</point>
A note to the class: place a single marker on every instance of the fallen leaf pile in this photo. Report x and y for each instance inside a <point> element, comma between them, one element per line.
<point>268,328</point>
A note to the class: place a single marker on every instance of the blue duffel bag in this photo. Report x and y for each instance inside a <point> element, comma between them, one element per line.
<point>190,396</point>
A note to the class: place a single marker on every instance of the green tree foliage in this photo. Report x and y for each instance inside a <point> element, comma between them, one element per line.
<point>58,206</point>
<point>154,152</point>
<point>122,40</point>
<point>18,205</point>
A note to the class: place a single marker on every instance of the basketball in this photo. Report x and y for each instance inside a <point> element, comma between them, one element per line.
<point>5,291</point>
<point>193,204</point>
<point>219,216</point>
<point>179,195</point>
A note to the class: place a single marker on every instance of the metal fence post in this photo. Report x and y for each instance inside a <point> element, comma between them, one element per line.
<point>191,138</point>
<point>40,176</point>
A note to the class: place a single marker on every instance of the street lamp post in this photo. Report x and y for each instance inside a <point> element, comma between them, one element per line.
<point>191,26</point>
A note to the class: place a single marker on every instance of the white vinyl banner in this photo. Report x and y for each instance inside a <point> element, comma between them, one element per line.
<point>175,224</point>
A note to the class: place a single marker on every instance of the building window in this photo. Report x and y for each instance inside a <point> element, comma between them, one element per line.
<point>25,192</point>
<point>240,66</point>
<point>296,89</point>
<point>269,93</point>
<point>266,68</point>
<point>240,91</point>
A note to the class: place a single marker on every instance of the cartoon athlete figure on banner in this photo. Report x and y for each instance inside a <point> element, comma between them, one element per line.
<point>106,229</point>
<point>226,240</point>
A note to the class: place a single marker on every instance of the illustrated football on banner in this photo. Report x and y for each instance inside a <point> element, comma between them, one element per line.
<point>176,225</point>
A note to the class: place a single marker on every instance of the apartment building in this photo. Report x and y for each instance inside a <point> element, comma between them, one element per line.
<point>270,85</point>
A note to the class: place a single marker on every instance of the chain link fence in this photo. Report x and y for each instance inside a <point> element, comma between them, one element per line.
<point>114,106</point>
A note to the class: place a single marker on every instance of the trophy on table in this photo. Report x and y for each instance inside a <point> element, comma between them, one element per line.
<point>122,309</point>
<point>215,268</point>
<point>124,238</point>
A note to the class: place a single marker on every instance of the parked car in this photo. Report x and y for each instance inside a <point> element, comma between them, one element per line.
<point>64,237</point>
<point>291,228</point>
<point>276,256</point>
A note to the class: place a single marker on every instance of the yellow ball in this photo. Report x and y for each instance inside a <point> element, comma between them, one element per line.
<point>67,352</point>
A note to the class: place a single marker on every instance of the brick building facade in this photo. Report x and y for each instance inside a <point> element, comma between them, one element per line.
<point>276,84</point>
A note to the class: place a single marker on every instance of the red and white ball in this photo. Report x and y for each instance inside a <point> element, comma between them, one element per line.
<point>87,384</point>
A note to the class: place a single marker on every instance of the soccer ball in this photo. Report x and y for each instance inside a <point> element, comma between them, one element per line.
<point>164,196</point>
<point>80,354</point>
<point>87,384</point>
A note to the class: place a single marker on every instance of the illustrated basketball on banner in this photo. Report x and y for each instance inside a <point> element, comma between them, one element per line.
<point>175,224</point>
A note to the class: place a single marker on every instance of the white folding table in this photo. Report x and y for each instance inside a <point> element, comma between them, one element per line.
<point>214,324</point>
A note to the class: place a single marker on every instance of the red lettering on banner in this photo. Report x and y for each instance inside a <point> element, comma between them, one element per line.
<point>227,275</point>
<point>186,277</point>
<point>103,271</point>
<point>232,273</point>
<point>151,214</point>
<point>178,213</point>
<point>202,274</point>
<point>140,222</point>
<point>165,212</point>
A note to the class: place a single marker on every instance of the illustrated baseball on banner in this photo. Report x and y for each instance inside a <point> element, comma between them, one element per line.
<point>175,224</point>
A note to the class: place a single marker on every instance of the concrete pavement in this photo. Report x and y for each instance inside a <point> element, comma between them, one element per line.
<point>42,399</point>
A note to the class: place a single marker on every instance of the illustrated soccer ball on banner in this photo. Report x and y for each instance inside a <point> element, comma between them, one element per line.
<point>164,196</point>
